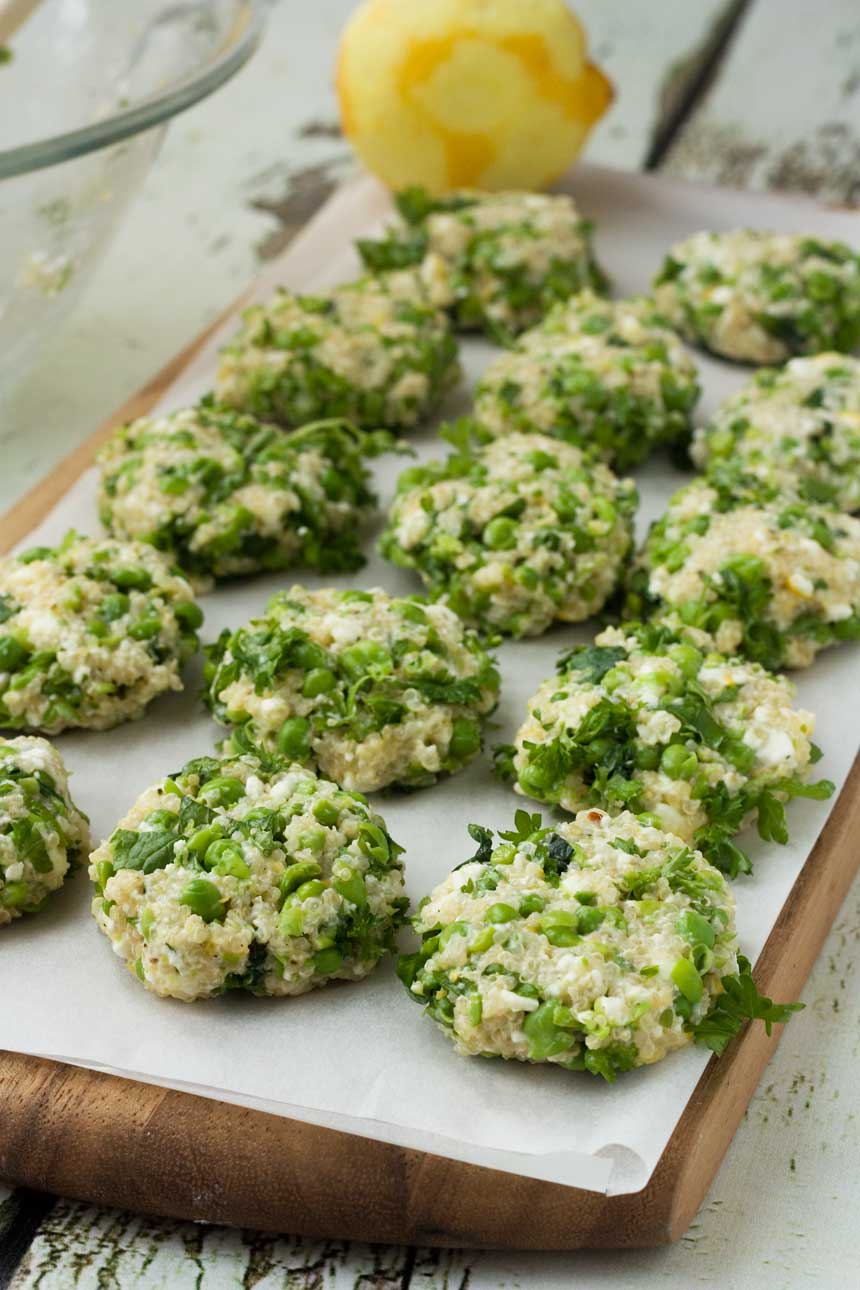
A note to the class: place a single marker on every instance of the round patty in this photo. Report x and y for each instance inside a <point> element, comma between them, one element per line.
<point>606,375</point>
<point>90,632</point>
<point>225,494</point>
<point>248,873</point>
<point>42,832</point>
<point>372,689</point>
<point>597,944</point>
<point>517,533</point>
<point>760,297</point>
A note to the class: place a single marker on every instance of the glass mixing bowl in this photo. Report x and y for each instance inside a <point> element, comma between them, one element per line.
<point>87,88</point>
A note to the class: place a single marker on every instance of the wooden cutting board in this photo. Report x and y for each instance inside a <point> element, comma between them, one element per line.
<point>112,1141</point>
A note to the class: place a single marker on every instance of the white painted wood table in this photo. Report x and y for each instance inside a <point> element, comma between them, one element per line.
<point>764,93</point>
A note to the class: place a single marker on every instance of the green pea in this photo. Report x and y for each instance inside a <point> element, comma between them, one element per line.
<point>501,913</point>
<point>562,937</point>
<point>312,839</point>
<point>501,533</point>
<point>225,857</point>
<point>687,658</point>
<point>199,842</point>
<point>12,653</point>
<point>318,681</point>
<point>326,812</point>
<point>309,889</point>
<point>373,841</point>
<point>223,790</point>
<point>532,904</point>
<point>559,918</point>
<point>202,897</point>
<point>646,756</point>
<point>114,606</point>
<point>351,886</point>
<point>104,871</point>
<point>453,929</point>
<point>291,920</point>
<point>678,762</point>
<point>545,1038</point>
<point>145,628</point>
<point>360,658</point>
<point>162,818</point>
<point>15,895</point>
<point>296,874</point>
<point>293,738</point>
<point>589,918</point>
<point>328,960</point>
<point>535,779</point>
<point>688,981</point>
<point>481,941</point>
<point>189,614</point>
<point>694,928</point>
<point>650,819</point>
<point>98,627</point>
<point>465,739</point>
<point>134,577</point>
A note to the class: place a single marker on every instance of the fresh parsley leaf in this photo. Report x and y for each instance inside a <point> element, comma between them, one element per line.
<point>525,827</point>
<point>740,1002</point>
<point>591,662</point>
<point>484,839</point>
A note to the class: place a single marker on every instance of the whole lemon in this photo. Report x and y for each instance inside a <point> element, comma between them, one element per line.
<point>467,93</point>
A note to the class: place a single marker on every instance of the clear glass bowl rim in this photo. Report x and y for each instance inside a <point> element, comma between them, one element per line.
<point>148,112</point>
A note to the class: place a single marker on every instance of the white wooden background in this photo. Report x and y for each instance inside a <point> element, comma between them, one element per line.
<point>762,93</point>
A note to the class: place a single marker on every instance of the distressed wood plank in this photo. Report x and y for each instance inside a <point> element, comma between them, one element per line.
<point>784,109</point>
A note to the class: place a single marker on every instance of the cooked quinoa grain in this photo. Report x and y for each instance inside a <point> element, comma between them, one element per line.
<point>798,426</point>
<point>777,582</point>
<point>510,255</point>
<point>226,494</point>
<point>248,873</point>
<point>377,351</point>
<point>42,832</point>
<point>372,689</point>
<point>609,376</point>
<point>517,533</point>
<point>90,632</point>
<point>597,944</point>
<point>760,297</point>
<point>644,720</point>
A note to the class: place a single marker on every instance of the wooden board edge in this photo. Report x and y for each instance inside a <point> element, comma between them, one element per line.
<point>319,1182</point>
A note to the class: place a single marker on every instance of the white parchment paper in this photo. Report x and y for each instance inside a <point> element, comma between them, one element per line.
<point>361,1057</point>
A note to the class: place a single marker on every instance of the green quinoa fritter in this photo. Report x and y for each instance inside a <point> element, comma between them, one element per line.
<point>797,426</point>
<point>371,689</point>
<point>377,351</point>
<point>600,944</point>
<point>646,721</point>
<point>759,297</point>
<point>90,632</point>
<point>510,256</point>
<point>776,580</point>
<point>606,375</point>
<point>513,533</point>
<point>42,832</point>
<point>248,874</point>
<point>226,495</point>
